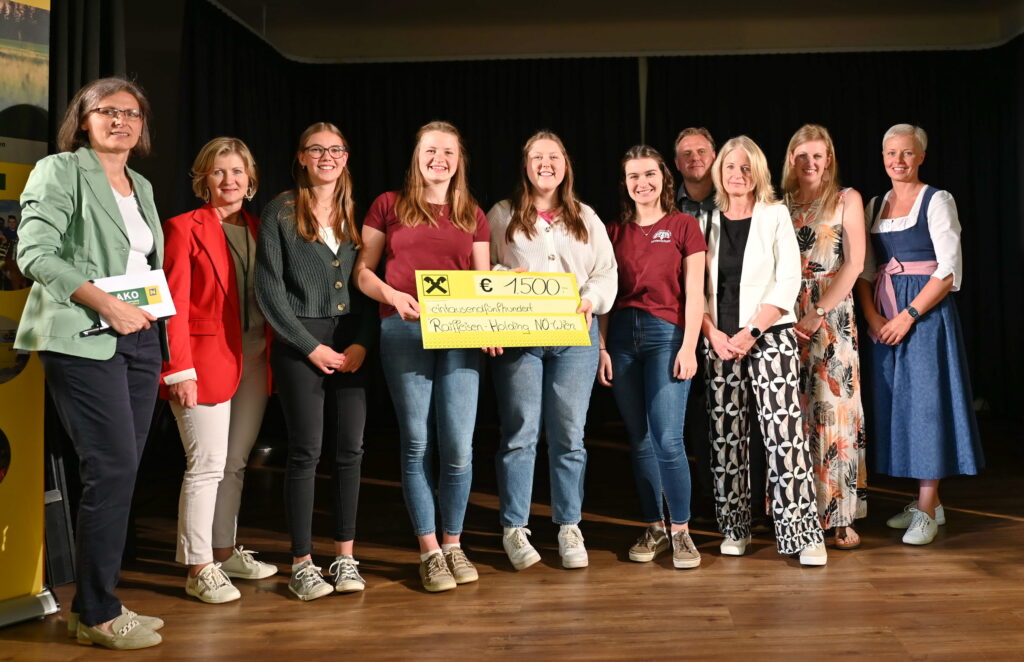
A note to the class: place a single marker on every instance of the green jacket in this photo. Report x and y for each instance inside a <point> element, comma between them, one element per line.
<point>71,231</point>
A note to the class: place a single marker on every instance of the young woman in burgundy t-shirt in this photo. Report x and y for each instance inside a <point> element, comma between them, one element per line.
<point>432,223</point>
<point>649,351</point>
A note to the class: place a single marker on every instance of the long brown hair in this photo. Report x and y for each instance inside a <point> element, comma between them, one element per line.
<point>668,188</point>
<point>828,194</point>
<point>412,208</point>
<point>568,207</point>
<point>343,220</point>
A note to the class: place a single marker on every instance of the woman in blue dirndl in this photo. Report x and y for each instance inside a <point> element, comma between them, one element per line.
<point>923,424</point>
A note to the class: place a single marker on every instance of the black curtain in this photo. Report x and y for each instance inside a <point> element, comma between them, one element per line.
<point>970,102</point>
<point>233,83</point>
<point>86,43</point>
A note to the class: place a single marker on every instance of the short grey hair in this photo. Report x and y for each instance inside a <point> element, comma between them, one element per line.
<point>907,130</point>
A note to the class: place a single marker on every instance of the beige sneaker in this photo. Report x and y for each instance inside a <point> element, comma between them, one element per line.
<point>211,585</point>
<point>649,546</point>
<point>435,575</point>
<point>243,566</point>
<point>463,572</point>
<point>127,634</point>
<point>684,552</point>
<point>151,622</point>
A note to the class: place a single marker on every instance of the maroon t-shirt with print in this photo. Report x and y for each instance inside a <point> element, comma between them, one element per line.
<point>651,264</point>
<point>444,247</point>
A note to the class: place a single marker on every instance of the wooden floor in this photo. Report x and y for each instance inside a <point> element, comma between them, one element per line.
<point>960,598</point>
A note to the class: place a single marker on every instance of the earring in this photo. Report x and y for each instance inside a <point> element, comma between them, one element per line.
<point>206,195</point>
<point>250,192</point>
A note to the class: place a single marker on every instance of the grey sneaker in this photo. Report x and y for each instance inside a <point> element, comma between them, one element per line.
<point>684,552</point>
<point>346,575</point>
<point>151,622</point>
<point>244,566</point>
<point>128,634</point>
<point>649,546</point>
<point>903,519</point>
<point>922,529</point>
<point>307,583</point>
<point>570,547</point>
<point>520,552</point>
<point>211,585</point>
<point>463,572</point>
<point>435,575</point>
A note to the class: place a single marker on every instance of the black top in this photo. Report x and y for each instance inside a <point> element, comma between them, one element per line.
<point>730,268</point>
<point>700,210</point>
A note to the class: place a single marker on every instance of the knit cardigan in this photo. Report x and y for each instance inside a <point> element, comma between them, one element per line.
<point>298,278</point>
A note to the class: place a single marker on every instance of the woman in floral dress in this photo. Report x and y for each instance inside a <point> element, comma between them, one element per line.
<point>829,224</point>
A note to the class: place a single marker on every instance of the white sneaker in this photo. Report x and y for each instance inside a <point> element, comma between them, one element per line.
<point>732,547</point>
<point>906,516</point>
<point>520,552</point>
<point>922,529</point>
<point>244,566</point>
<point>815,554</point>
<point>211,585</point>
<point>346,575</point>
<point>570,547</point>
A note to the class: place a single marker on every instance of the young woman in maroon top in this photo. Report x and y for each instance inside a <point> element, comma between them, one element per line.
<point>432,223</point>
<point>649,348</point>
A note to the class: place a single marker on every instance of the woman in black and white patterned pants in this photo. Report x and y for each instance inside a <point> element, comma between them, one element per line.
<point>751,352</point>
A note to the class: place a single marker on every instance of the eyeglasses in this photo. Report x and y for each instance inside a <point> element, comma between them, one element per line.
<point>130,114</point>
<point>317,151</point>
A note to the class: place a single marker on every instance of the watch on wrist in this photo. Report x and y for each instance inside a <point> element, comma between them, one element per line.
<point>913,312</point>
<point>754,331</point>
<point>819,311</point>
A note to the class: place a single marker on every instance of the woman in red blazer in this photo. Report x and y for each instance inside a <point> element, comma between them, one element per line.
<point>216,379</point>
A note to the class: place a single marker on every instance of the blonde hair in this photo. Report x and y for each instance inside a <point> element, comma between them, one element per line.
<point>828,194</point>
<point>71,135</point>
<point>570,211</point>
<point>203,165</point>
<point>763,190</point>
<point>343,220</point>
<point>412,208</point>
<point>907,130</point>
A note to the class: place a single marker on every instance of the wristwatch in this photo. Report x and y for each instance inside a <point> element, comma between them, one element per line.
<point>819,311</point>
<point>913,312</point>
<point>754,331</point>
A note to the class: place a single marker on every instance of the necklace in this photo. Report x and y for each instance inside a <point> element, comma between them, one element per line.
<point>650,227</point>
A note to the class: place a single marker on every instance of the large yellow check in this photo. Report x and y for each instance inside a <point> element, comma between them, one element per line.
<point>499,308</point>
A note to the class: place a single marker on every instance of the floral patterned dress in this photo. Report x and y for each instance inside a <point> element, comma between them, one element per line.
<point>830,373</point>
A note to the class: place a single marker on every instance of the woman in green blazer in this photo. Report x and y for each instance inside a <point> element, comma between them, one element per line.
<point>86,215</point>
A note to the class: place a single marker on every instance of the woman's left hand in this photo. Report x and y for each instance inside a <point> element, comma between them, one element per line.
<point>893,332</point>
<point>743,341</point>
<point>492,351</point>
<point>808,326</point>
<point>586,307</point>
<point>354,357</point>
<point>685,365</point>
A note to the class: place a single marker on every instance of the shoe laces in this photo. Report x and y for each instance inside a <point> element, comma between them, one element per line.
<point>681,540</point>
<point>571,537</point>
<point>246,556</point>
<point>920,521</point>
<point>457,558</point>
<point>309,576</point>
<point>648,539</point>
<point>213,579</point>
<point>344,570</point>
<point>436,565</point>
<point>517,539</point>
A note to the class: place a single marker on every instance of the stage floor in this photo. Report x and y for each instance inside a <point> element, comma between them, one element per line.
<point>961,597</point>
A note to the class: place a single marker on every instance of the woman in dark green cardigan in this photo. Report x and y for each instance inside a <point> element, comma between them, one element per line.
<point>323,327</point>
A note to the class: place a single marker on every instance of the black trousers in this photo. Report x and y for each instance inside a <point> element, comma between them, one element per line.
<point>106,408</point>
<point>318,409</point>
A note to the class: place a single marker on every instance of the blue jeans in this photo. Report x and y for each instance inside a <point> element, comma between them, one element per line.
<point>435,394</point>
<point>652,402</point>
<point>553,385</point>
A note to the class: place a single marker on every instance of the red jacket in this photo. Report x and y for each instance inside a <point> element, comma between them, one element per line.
<point>206,332</point>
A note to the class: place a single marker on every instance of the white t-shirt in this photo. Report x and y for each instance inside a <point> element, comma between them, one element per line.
<point>140,237</point>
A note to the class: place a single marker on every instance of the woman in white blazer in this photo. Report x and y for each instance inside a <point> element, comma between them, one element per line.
<point>751,351</point>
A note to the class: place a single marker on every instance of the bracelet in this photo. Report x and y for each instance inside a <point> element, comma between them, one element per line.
<point>602,349</point>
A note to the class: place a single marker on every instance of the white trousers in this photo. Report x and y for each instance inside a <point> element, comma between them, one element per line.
<point>217,440</point>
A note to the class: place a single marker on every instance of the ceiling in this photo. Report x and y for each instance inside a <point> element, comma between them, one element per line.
<point>383,30</point>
